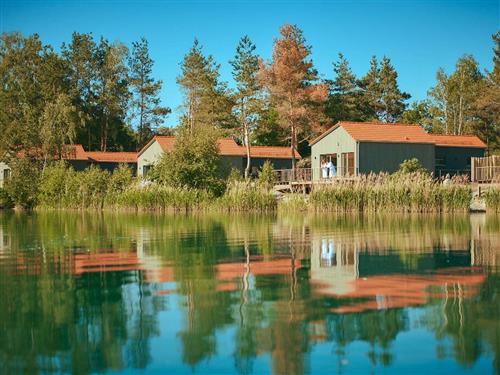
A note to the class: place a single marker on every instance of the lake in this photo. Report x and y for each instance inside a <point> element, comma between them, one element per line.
<point>128,293</point>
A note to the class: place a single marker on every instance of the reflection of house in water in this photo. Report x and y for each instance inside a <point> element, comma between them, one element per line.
<point>333,265</point>
<point>376,281</point>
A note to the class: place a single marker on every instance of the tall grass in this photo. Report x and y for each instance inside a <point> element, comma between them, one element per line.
<point>400,192</point>
<point>246,196</point>
<point>492,199</point>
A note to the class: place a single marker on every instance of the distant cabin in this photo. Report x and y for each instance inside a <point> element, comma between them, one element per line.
<point>231,153</point>
<point>79,159</point>
<point>362,147</point>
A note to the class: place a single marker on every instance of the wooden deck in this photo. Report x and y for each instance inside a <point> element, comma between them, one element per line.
<point>301,180</point>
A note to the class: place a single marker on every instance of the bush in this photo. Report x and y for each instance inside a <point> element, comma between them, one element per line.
<point>194,162</point>
<point>5,200</point>
<point>52,188</point>
<point>22,186</point>
<point>411,166</point>
<point>266,177</point>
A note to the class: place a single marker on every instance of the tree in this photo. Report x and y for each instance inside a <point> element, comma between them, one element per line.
<point>112,89</point>
<point>194,162</point>
<point>80,57</point>
<point>21,91</point>
<point>344,93</point>
<point>392,99</point>
<point>382,98</point>
<point>293,85</point>
<point>248,104</point>
<point>206,101</point>
<point>487,104</point>
<point>453,98</point>
<point>418,113</point>
<point>57,126</point>
<point>145,105</point>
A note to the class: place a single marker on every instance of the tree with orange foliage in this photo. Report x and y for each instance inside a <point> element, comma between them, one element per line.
<point>294,87</point>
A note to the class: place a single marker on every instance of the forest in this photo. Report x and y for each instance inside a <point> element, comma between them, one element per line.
<point>104,95</point>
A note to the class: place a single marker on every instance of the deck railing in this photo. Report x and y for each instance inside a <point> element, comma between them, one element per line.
<point>486,169</point>
<point>300,175</point>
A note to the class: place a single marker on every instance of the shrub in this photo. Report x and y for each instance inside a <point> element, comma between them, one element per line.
<point>411,166</point>
<point>22,186</point>
<point>120,179</point>
<point>266,176</point>
<point>53,185</point>
<point>194,162</point>
<point>246,196</point>
<point>93,187</point>
<point>5,200</point>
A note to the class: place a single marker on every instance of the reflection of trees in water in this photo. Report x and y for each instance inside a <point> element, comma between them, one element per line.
<point>79,325</point>
<point>470,323</point>
<point>273,312</point>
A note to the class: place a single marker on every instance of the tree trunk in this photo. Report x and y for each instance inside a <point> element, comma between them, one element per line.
<point>292,146</point>
<point>247,144</point>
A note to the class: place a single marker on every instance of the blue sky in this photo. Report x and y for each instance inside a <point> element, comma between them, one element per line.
<point>418,35</point>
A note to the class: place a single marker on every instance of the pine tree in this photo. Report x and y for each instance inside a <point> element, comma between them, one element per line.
<point>293,85</point>
<point>206,101</point>
<point>371,91</point>
<point>487,104</point>
<point>145,104</point>
<point>343,101</point>
<point>392,101</point>
<point>248,104</point>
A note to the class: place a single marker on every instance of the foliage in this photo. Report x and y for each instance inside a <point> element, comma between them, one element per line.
<point>22,185</point>
<point>248,104</point>
<point>121,179</point>
<point>145,104</point>
<point>5,200</point>
<point>53,182</point>
<point>193,163</point>
<point>266,176</point>
<point>206,101</point>
<point>293,86</point>
<point>411,166</point>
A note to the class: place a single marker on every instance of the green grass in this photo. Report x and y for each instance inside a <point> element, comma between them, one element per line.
<point>492,199</point>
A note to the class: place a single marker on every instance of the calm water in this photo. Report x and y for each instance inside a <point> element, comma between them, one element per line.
<point>127,293</point>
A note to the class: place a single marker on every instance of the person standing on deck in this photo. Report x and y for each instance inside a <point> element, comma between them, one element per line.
<point>332,169</point>
<point>324,170</point>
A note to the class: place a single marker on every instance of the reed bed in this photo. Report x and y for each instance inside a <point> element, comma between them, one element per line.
<point>246,196</point>
<point>492,199</point>
<point>412,192</point>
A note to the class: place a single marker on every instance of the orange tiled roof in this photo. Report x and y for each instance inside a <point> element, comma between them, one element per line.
<point>393,133</point>
<point>227,147</point>
<point>74,152</point>
<point>457,140</point>
<point>400,133</point>
<point>112,157</point>
<point>277,152</point>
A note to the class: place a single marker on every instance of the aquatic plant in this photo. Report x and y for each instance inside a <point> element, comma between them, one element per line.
<point>492,199</point>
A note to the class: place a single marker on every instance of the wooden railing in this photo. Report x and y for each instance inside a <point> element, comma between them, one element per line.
<point>486,169</point>
<point>285,176</point>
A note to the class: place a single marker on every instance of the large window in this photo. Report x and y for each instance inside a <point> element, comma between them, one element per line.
<point>347,160</point>
<point>327,171</point>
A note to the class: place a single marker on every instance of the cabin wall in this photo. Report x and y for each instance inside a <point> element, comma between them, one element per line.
<point>149,157</point>
<point>4,172</point>
<point>337,142</point>
<point>455,160</point>
<point>386,157</point>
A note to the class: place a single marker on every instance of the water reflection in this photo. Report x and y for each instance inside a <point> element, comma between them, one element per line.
<point>88,293</point>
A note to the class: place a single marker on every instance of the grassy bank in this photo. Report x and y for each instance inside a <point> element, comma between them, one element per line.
<point>61,187</point>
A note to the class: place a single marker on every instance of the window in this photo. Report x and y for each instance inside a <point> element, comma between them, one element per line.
<point>6,174</point>
<point>347,161</point>
<point>145,170</point>
<point>324,162</point>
